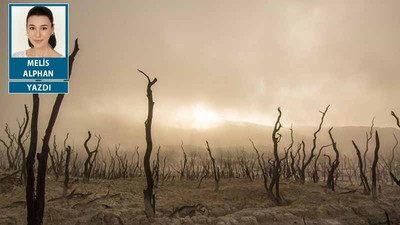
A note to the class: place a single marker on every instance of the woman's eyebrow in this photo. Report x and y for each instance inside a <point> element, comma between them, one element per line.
<point>33,25</point>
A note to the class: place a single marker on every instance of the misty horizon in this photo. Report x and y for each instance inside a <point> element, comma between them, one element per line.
<point>218,63</point>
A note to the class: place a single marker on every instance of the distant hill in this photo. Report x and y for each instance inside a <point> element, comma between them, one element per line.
<point>233,135</point>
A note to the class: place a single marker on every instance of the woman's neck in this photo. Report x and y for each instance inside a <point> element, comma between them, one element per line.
<point>42,52</point>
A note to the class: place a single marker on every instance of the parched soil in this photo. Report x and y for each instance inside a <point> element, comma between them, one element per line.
<point>239,201</point>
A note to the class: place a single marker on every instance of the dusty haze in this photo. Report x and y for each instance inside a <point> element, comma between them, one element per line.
<point>219,61</point>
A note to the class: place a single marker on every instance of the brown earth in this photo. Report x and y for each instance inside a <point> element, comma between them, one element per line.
<point>239,201</point>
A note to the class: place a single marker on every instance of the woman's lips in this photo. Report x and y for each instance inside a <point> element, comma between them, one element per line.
<point>37,41</point>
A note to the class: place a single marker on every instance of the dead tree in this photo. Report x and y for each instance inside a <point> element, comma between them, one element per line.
<point>392,158</point>
<point>204,174</point>
<point>287,170</point>
<point>364,179</point>
<point>67,160</point>
<point>315,176</point>
<point>295,168</point>
<point>261,164</point>
<point>156,170</point>
<point>89,161</point>
<point>276,165</point>
<point>398,125</point>
<point>35,200</point>
<point>304,165</point>
<point>334,165</point>
<point>149,196</point>
<point>215,169</point>
<point>9,148</point>
<point>137,162</point>
<point>56,160</point>
<point>369,137</point>
<point>374,163</point>
<point>183,167</point>
<point>22,130</point>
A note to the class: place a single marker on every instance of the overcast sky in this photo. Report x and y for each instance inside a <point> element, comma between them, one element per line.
<point>225,60</point>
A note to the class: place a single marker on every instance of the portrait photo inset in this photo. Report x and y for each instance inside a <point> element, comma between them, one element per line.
<point>35,33</point>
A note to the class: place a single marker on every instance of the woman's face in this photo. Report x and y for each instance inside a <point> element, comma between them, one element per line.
<point>39,30</point>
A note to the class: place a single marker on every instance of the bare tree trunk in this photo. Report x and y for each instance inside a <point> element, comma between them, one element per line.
<point>364,179</point>
<point>369,136</point>
<point>30,164</point>
<point>88,166</point>
<point>304,165</point>
<point>216,170</point>
<point>276,166</point>
<point>149,196</point>
<point>21,146</point>
<point>315,176</point>
<point>334,165</point>
<point>184,162</point>
<point>67,160</point>
<point>374,163</point>
<point>36,203</point>
<point>261,164</point>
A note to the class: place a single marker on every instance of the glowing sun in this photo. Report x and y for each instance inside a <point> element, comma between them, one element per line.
<point>204,118</point>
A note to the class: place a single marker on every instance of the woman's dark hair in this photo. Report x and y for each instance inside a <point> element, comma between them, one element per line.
<point>43,11</point>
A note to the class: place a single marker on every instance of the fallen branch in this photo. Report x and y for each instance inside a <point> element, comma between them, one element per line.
<point>348,192</point>
<point>10,175</point>
<point>15,204</point>
<point>98,198</point>
<point>71,195</point>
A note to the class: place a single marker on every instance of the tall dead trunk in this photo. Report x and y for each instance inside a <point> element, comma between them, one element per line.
<point>374,164</point>
<point>30,164</point>
<point>36,201</point>
<point>392,175</point>
<point>88,165</point>
<point>364,179</point>
<point>276,166</point>
<point>149,196</point>
<point>67,160</point>
<point>369,137</point>
<point>305,163</point>
<point>21,133</point>
<point>334,165</point>
<point>215,169</point>
<point>184,162</point>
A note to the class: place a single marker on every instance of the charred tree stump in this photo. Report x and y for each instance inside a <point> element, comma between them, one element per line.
<point>149,196</point>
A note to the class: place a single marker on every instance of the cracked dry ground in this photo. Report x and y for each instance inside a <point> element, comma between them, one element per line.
<point>239,201</point>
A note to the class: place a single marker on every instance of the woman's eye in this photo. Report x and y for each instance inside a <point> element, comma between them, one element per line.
<point>31,28</point>
<point>44,28</point>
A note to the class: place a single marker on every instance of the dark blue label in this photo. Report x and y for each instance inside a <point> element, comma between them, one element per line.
<point>38,69</point>
<point>38,87</point>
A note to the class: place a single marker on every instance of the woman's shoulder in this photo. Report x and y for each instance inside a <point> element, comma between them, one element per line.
<point>54,53</point>
<point>19,54</point>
